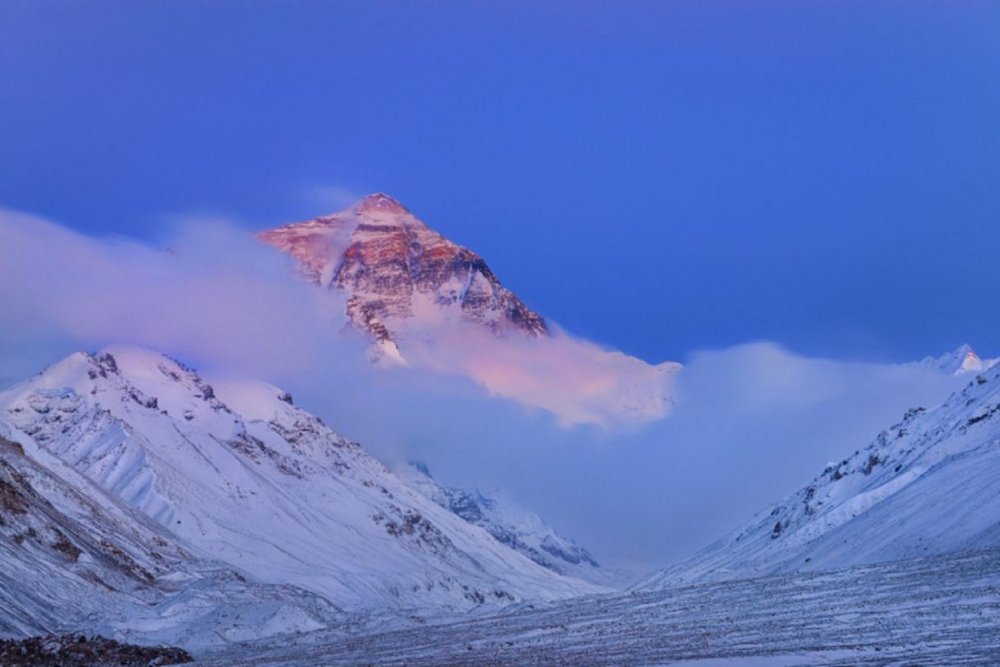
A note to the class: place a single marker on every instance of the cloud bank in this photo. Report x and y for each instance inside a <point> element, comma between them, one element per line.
<point>215,296</point>
<point>578,382</point>
<point>751,423</point>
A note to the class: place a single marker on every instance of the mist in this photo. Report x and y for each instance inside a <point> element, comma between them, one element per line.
<point>638,463</point>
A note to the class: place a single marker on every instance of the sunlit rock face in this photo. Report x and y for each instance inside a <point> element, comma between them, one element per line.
<point>395,270</point>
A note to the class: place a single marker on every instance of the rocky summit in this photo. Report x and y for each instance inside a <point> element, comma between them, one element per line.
<point>396,270</point>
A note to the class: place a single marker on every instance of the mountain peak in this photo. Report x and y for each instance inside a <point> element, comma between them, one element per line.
<point>380,202</point>
<point>962,360</point>
<point>397,272</point>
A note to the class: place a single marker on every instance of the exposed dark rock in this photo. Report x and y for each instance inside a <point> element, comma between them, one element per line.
<point>412,525</point>
<point>63,545</point>
<point>873,460</point>
<point>107,364</point>
<point>83,651</point>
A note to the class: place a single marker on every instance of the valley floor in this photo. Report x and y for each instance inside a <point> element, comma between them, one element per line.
<point>932,611</point>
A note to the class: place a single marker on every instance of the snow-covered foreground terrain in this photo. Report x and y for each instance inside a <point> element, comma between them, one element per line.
<point>933,611</point>
<point>74,560</point>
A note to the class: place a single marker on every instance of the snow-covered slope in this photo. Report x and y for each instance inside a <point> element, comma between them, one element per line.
<point>514,525</point>
<point>927,485</point>
<point>244,476</point>
<point>74,558</point>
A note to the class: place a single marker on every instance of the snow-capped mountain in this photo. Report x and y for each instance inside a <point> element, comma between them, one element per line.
<point>958,362</point>
<point>240,474</point>
<point>927,485</point>
<point>394,268</point>
<point>514,525</point>
<point>73,557</point>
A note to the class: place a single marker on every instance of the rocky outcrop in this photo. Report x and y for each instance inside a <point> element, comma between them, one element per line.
<point>68,650</point>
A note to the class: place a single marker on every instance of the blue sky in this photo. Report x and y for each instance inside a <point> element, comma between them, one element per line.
<point>660,177</point>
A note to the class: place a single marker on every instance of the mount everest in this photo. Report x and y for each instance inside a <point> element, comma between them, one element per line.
<point>395,270</point>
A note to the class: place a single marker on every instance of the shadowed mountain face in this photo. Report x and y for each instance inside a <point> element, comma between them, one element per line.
<point>925,486</point>
<point>515,526</point>
<point>394,268</point>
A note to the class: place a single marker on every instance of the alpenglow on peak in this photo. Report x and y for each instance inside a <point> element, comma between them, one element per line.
<point>399,274</point>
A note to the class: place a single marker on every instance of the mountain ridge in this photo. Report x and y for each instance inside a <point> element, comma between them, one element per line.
<point>270,490</point>
<point>425,302</point>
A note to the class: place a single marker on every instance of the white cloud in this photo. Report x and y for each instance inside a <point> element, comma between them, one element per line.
<point>216,296</point>
<point>575,380</point>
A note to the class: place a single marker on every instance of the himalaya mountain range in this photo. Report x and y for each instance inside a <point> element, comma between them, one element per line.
<point>147,501</point>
